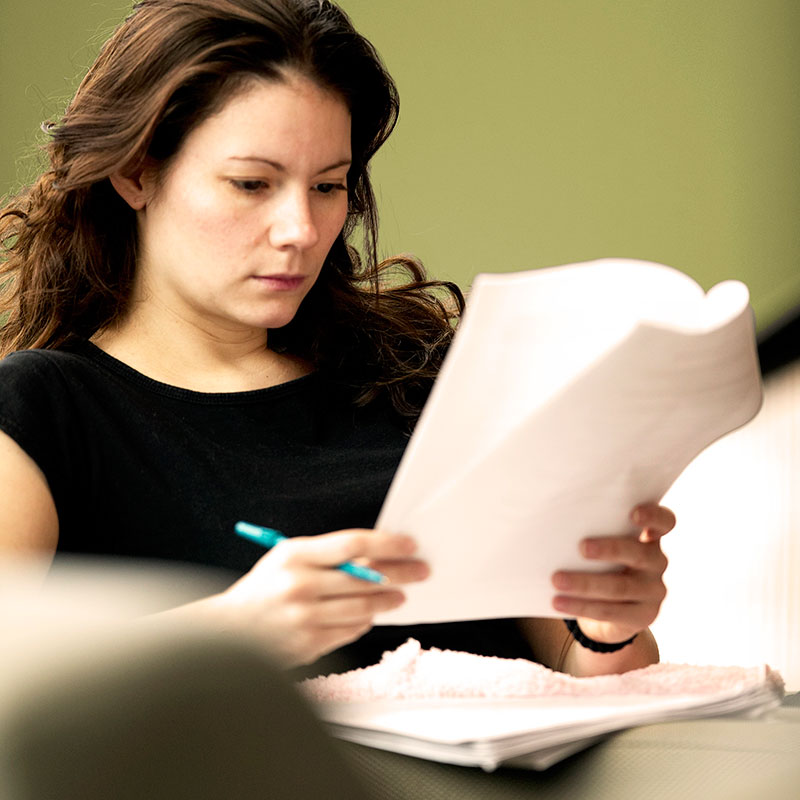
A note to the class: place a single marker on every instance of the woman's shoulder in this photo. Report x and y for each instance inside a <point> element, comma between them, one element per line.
<point>40,387</point>
<point>31,367</point>
<point>38,399</point>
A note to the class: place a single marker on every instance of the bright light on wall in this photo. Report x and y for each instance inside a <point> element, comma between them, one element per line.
<point>734,574</point>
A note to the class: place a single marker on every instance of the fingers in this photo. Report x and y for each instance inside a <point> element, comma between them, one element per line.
<point>312,562</point>
<point>332,549</point>
<point>302,606</point>
<point>350,611</point>
<point>655,520</point>
<point>639,581</point>
<point>628,586</point>
<point>314,627</point>
<point>618,603</point>
<point>315,582</point>
<point>628,618</point>
<point>319,627</point>
<point>627,551</point>
<point>400,572</point>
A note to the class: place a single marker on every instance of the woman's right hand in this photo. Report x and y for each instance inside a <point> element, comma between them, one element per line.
<point>302,607</point>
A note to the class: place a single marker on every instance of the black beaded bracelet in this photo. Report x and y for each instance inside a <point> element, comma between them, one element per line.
<point>591,644</point>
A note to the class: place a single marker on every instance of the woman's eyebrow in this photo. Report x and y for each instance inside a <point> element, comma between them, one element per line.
<point>344,162</point>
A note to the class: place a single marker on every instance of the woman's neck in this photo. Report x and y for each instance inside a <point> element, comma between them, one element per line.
<point>202,360</point>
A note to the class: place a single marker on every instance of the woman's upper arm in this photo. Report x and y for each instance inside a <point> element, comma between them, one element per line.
<point>29,521</point>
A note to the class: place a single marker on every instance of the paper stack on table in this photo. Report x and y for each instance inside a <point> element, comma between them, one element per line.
<point>569,395</point>
<point>461,708</point>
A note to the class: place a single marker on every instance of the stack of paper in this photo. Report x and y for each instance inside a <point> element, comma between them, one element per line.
<point>569,395</point>
<point>516,712</point>
<point>535,732</point>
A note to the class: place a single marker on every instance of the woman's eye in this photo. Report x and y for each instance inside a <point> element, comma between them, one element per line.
<point>250,186</point>
<point>327,188</point>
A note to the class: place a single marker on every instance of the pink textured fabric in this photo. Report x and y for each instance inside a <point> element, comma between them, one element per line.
<point>411,673</point>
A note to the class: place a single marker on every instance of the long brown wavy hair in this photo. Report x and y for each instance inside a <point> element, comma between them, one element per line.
<point>69,242</point>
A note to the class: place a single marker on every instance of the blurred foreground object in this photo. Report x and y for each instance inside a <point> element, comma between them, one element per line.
<point>95,707</point>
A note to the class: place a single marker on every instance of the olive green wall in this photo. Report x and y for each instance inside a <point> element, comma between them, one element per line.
<point>45,47</point>
<point>538,132</point>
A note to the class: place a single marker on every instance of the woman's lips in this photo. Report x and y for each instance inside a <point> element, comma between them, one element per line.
<point>280,283</point>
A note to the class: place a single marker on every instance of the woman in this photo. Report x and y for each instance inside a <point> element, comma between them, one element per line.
<point>193,341</point>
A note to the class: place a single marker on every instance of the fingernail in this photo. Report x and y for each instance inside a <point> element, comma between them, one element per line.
<point>561,581</point>
<point>561,604</point>
<point>406,543</point>
<point>637,516</point>
<point>590,548</point>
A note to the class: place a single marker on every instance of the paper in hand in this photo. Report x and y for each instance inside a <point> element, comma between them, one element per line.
<point>569,395</point>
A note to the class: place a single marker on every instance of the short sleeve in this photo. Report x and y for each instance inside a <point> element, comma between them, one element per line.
<point>37,410</point>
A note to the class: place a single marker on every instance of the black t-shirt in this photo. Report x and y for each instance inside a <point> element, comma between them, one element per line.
<point>142,469</point>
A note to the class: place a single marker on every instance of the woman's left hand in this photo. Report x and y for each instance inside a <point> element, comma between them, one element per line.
<point>613,606</point>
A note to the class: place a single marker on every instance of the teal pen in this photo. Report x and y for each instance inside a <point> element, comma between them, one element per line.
<point>268,537</point>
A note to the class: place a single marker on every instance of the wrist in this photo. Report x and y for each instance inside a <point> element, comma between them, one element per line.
<point>594,645</point>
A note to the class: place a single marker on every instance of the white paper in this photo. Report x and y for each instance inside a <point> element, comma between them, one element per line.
<point>568,396</point>
<point>534,732</point>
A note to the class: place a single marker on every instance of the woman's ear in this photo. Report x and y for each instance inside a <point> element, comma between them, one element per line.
<point>133,189</point>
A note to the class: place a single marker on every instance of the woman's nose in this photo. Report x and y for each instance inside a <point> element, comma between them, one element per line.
<point>293,224</point>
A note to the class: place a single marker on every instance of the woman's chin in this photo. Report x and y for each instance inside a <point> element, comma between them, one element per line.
<point>272,321</point>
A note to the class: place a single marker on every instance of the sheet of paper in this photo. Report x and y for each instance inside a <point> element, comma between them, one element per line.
<point>569,395</point>
<point>489,732</point>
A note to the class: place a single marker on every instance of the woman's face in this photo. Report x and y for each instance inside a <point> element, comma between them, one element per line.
<point>235,234</point>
